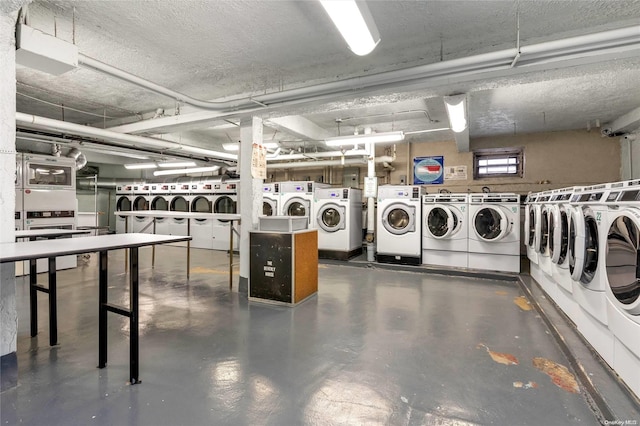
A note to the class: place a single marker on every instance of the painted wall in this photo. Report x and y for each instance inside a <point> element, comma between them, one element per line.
<point>630,157</point>
<point>551,160</point>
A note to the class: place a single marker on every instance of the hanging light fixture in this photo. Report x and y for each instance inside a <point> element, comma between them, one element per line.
<point>457,111</point>
<point>186,171</point>
<point>355,23</point>
<point>366,138</point>
<point>168,164</point>
<point>136,166</point>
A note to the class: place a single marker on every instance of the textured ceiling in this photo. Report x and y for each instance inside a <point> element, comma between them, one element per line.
<point>236,49</point>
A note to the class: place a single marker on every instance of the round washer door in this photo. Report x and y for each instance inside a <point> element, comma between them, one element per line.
<point>297,207</point>
<point>399,219</point>
<point>123,204</point>
<point>490,223</point>
<point>268,207</point>
<point>543,241</point>
<point>583,246</point>
<point>536,227</point>
<point>441,222</point>
<point>529,225</point>
<point>179,204</point>
<point>331,217</point>
<point>559,236</point>
<point>623,260</point>
<point>159,203</point>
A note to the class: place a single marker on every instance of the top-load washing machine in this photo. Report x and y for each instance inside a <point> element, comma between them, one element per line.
<point>179,201</point>
<point>225,201</point>
<point>587,234</point>
<point>494,232</point>
<point>445,230</point>
<point>141,202</point>
<point>270,199</point>
<point>622,279</point>
<point>531,213</point>
<point>202,202</point>
<point>296,199</point>
<point>160,194</point>
<point>338,218</point>
<point>398,229</point>
<point>124,203</point>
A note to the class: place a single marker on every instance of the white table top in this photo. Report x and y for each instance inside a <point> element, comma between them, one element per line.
<point>179,215</point>
<point>12,252</point>
<point>45,233</point>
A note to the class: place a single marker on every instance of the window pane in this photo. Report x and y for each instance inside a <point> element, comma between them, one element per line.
<point>498,161</point>
<point>482,162</point>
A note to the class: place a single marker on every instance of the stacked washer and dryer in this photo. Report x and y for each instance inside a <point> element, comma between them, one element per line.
<point>124,201</point>
<point>141,202</point>
<point>179,201</point>
<point>160,202</point>
<point>224,201</point>
<point>202,202</point>
<point>338,218</point>
<point>445,230</point>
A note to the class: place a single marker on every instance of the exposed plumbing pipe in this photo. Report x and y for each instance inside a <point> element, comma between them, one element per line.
<point>42,123</point>
<point>350,153</point>
<point>371,201</point>
<point>613,41</point>
<point>320,163</point>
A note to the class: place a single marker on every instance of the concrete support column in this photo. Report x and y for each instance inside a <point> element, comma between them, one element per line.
<point>250,197</point>
<point>8,313</point>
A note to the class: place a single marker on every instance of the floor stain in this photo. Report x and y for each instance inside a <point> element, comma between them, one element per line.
<point>201,270</point>
<point>522,303</point>
<point>499,357</point>
<point>559,374</point>
<point>502,293</point>
<point>528,385</point>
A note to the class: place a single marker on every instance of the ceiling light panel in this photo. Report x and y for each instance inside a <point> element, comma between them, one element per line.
<point>355,23</point>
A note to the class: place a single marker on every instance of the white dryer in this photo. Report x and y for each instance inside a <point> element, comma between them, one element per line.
<point>296,199</point>
<point>531,213</point>
<point>124,202</point>
<point>398,230</point>
<point>586,264</point>
<point>445,230</point>
<point>141,202</point>
<point>270,199</point>
<point>179,201</point>
<point>338,218</point>
<point>225,201</point>
<point>622,262</point>
<point>494,232</point>
<point>202,202</point>
<point>160,194</point>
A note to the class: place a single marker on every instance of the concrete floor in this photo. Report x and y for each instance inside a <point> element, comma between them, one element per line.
<point>375,346</point>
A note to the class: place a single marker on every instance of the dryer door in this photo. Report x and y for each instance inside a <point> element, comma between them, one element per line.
<point>490,223</point>
<point>179,204</point>
<point>331,217</point>
<point>559,236</point>
<point>297,207</point>
<point>623,260</point>
<point>225,204</point>
<point>583,245</point>
<point>442,222</point>
<point>536,227</point>
<point>543,241</point>
<point>123,204</point>
<point>399,219</point>
<point>159,203</point>
<point>201,204</point>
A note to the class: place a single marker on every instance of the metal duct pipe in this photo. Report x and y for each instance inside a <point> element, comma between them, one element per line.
<point>81,160</point>
<point>42,123</point>
<point>106,183</point>
<point>581,46</point>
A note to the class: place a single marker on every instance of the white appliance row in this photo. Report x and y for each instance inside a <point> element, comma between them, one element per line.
<point>478,231</point>
<point>584,248</point>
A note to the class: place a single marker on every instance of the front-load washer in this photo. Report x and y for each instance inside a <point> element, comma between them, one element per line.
<point>398,224</point>
<point>542,234</point>
<point>179,201</point>
<point>124,202</point>
<point>586,265</point>
<point>296,199</point>
<point>225,201</point>
<point>202,202</point>
<point>338,218</point>
<point>494,232</point>
<point>622,263</point>
<point>530,226</point>
<point>445,230</point>
<point>534,230</point>
<point>160,195</point>
<point>270,198</point>
<point>141,202</point>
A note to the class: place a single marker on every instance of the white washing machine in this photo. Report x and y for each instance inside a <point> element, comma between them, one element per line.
<point>179,201</point>
<point>160,194</point>
<point>124,202</point>
<point>202,202</point>
<point>225,201</point>
<point>398,230</point>
<point>338,218</point>
<point>530,223</point>
<point>587,234</point>
<point>296,199</point>
<point>141,202</point>
<point>445,230</point>
<point>494,232</point>
<point>622,263</point>
<point>270,199</point>
<point>542,233</point>
<point>533,228</point>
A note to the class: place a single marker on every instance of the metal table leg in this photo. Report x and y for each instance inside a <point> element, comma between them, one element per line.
<point>230,254</point>
<point>33,295</point>
<point>53,305</point>
<point>102,310</point>
<point>188,248</point>
<point>133,319</point>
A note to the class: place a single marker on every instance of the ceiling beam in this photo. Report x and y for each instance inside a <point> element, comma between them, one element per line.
<point>627,123</point>
<point>299,127</point>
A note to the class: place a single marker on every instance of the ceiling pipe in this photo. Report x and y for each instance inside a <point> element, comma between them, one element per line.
<point>312,155</point>
<point>130,141</point>
<point>385,160</point>
<point>590,45</point>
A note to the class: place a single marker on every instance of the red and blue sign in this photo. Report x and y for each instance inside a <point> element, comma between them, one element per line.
<point>428,170</point>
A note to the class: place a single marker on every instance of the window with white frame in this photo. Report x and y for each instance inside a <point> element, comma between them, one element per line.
<point>498,163</point>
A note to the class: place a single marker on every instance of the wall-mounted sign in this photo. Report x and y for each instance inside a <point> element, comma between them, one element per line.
<point>258,162</point>
<point>370,187</point>
<point>455,173</point>
<point>428,170</point>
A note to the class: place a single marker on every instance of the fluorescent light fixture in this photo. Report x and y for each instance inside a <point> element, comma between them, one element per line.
<point>135,166</point>
<point>231,146</point>
<point>355,23</point>
<point>186,171</point>
<point>457,111</point>
<point>270,145</point>
<point>361,139</point>
<point>168,164</point>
